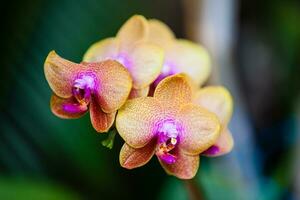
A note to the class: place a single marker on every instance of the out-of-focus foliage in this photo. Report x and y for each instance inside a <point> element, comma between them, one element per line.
<point>14,189</point>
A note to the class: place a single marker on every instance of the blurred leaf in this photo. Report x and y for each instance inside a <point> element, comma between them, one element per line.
<point>19,189</point>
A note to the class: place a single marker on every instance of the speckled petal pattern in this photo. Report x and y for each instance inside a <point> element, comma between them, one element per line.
<point>114,84</point>
<point>136,119</point>
<point>67,108</point>
<point>201,129</point>
<point>100,120</point>
<point>174,91</point>
<point>131,158</point>
<point>185,167</point>
<point>60,74</point>
<point>135,93</point>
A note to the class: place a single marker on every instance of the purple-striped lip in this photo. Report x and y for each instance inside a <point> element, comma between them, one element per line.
<point>168,137</point>
<point>83,87</point>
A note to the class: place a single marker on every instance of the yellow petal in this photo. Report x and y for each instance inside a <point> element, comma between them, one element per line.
<point>185,167</point>
<point>216,99</point>
<point>100,120</point>
<point>102,50</point>
<point>60,74</point>
<point>160,34</point>
<point>136,120</point>
<point>189,58</point>
<point>174,91</point>
<point>223,145</point>
<point>147,60</point>
<point>200,129</point>
<point>134,30</point>
<point>132,158</point>
<point>114,84</point>
<point>135,93</point>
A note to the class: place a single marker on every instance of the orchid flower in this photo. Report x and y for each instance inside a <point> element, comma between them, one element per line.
<point>101,87</point>
<point>218,100</point>
<point>142,58</point>
<point>181,56</point>
<point>168,125</point>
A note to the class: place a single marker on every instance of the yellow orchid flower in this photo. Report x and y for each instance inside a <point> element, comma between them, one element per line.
<point>218,100</point>
<point>168,125</point>
<point>101,87</point>
<point>130,47</point>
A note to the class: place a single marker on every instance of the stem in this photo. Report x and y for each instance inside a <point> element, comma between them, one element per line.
<point>194,191</point>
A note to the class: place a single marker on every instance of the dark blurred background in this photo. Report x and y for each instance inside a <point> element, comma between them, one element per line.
<point>255,47</point>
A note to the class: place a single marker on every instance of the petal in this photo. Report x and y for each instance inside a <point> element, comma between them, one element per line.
<point>174,91</point>
<point>67,108</point>
<point>200,129</point>
<point>216,99</point>
<point>133,30</point>
<point>60,74</point>
<point>185,167</point>
<point>114,84</point>
<point>159,33</point>
<point>190,58</point>
<point>101,121</point>
<point>136,120</point>
<point>147,60</point>
<point>223,145</point>
<point>102,50</point>
<point>132,158</point>
<point>135,93</point>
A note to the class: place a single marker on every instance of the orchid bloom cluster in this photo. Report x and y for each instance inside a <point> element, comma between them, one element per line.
<point>178,121</point>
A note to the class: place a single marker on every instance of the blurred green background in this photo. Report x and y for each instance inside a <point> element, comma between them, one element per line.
<point>44,157</point>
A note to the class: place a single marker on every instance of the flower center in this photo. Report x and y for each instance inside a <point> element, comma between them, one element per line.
<point>82,88</point>
<point>167,132</point>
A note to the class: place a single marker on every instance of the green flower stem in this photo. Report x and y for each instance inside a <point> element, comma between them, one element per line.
<point>194,191</point>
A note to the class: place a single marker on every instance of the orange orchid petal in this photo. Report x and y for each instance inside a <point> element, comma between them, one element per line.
<point>216,99</point>
<point>67,108</point>
<point>174,91</point>
<point>185,167</point>
<point>114,84</point>
<point>101,121</point>
<point>160,34</point>
<point>136,119</point>
<point>190,58</point>
<point>102,50</point>
<point>134,30</point>
<point>201,129</point>
<point>135,93</point>
<point>223,145</point>
<point>132,158</point>
<point>147,60</point>
<point>60,73</point>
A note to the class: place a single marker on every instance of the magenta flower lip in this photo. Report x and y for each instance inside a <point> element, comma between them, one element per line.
<point>168,132</point>
<point>84,86</point>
